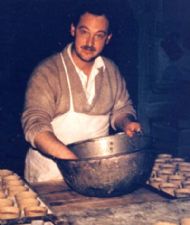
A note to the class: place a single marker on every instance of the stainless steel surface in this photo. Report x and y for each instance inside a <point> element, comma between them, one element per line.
<point>107,176</point>
<point>109,145</point>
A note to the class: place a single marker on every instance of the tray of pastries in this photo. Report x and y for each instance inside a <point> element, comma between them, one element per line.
<point>18,202</point>
<point>170,176</point>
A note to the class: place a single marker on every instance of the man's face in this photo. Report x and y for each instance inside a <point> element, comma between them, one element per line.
<point>91,35</point>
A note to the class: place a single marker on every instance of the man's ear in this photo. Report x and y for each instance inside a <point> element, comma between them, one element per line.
<point>108,38</point>
<point>72,30</point>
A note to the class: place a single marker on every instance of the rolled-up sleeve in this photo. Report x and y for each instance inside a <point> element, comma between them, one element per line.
<point>39,104</point>
<point>123,105</point>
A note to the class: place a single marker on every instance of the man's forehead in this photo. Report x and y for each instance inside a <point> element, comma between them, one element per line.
<point>99,21</point>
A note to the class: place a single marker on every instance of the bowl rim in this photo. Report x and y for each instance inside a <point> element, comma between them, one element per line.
<point>103,157</point>
<point>98,138</point>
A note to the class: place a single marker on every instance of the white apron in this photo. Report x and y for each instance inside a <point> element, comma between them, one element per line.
<point>68,128</point>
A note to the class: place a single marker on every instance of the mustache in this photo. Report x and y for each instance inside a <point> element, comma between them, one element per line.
<point>88,48</point>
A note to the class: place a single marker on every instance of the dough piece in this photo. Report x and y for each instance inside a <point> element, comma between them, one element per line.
<point>182,192</point>
<point>186,184</point>
<point>156,181</point>
<point>176,179</point>
<point>165,223</point>
<point>165,173</point>
<point>2,194</point>
<point>26,202</point>
<point>5,172</point>
<point>11,177</point>
<point>6,202</point>
<point>164,156</point>
<point>185,221</point>
<point>35,211</point>
<point>14,183</point>
<point>168,187</point>
<point>25,194</point>
<point>9,212</point>
<point>13,190</point>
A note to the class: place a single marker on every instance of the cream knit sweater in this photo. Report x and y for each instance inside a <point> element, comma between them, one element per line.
<point>47,95</point>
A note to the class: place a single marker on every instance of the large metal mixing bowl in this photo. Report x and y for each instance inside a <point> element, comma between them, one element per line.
<point>110,145</point>
<point>105,176</point>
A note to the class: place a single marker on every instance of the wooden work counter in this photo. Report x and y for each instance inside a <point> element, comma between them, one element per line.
<point>141,207</point>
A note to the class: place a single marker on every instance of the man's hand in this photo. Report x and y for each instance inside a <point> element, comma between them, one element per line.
<point>128,124</point>
<point>132,127</point>
<point>48,143</point>
<point>68,154</point>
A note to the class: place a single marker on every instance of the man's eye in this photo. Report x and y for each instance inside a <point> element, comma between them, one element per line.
<point>83,31</point>
<point>100,36</point>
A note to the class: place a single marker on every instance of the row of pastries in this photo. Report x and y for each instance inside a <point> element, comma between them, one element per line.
<point>17,199</point>
<point>171,175</point>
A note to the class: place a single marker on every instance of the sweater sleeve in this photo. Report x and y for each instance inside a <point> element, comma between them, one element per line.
<point>123,106</point>
<point>39,104</point>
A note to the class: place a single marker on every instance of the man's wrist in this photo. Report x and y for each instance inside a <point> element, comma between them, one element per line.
<point>128,119</point>
<point>131,118</point>
<point>122,122</point>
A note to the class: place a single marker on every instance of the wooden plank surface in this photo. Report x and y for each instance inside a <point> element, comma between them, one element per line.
<point>60,198</point>
<point>141,207</point>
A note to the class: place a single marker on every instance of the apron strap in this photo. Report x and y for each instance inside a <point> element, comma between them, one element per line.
<point>68,82</point>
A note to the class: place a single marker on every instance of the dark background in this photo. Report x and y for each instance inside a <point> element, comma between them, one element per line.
<point>33,30</point>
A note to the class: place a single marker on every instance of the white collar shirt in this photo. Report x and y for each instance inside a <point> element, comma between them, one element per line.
<point>88,83</point>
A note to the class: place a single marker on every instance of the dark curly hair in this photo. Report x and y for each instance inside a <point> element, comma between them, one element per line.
<point>96,7</point>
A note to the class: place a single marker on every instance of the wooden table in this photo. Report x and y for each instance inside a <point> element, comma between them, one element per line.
<point>141,207</point>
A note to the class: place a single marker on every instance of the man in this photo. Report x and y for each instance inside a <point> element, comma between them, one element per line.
<point>74,95</point>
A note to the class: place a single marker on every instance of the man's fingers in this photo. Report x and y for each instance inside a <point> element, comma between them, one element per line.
<point>130,133</point>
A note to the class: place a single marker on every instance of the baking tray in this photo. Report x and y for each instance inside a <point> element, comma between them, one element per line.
<point>165,194</point>
<point>160,192</point>
<point>48,217</point>
<point>23,218</point>
<point>172,171</point>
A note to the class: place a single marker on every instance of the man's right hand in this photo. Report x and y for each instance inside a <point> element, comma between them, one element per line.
<point>68,155</point>
<point>48,143</point>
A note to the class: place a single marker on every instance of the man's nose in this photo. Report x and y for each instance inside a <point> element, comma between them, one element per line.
<point>90,41</point>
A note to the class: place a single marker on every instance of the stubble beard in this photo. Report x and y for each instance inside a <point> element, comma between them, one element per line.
<point>80,56</point>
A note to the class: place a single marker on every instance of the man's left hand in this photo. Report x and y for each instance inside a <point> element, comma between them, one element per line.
<point>131,128</point>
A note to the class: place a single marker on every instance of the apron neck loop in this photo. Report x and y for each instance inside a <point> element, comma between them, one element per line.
<point>69,85</point>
